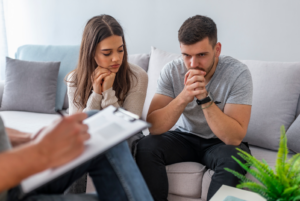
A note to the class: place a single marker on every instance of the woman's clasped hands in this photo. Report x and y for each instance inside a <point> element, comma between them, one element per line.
<point>102,79</point>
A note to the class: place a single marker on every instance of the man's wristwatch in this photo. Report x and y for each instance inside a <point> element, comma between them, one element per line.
<point>207,99</point>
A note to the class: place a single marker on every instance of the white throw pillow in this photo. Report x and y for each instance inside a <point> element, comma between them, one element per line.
<point>158,60</point>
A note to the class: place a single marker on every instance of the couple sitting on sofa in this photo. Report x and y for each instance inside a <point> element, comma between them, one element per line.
<point>206,95</point>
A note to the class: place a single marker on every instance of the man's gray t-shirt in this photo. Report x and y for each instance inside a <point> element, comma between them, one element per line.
<point>231,83</point>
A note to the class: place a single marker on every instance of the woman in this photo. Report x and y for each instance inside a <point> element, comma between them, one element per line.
<point>103,76</point>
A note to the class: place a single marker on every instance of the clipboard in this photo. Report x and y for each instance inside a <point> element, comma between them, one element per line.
<point>107,128</point>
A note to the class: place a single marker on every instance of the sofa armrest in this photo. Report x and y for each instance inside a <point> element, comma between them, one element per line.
<point>1,90</point>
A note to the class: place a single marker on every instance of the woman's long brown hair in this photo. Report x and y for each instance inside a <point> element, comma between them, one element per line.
<point>97,29</point>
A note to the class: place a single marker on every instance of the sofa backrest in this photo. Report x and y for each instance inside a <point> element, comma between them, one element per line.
<point>67,55</point>
<point>276,96</point>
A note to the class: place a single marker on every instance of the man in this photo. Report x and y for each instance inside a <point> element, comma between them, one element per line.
<point>209,98</point>
<point>114,174</point>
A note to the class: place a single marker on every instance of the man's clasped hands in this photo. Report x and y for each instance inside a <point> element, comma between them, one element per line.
<point>194,82</point>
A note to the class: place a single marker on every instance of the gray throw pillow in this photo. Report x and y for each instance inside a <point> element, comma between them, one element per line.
<point>141,60</point>
<point>30,86</point>
<point>276,90</point>
<point>298,107</point>
<point>293,136</point>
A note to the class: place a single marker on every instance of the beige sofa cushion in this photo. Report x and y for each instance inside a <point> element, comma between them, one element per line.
<point>205,183</point>
<point>185,179</point>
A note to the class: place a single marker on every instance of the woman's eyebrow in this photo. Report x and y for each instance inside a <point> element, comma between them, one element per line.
<point>111,49</point>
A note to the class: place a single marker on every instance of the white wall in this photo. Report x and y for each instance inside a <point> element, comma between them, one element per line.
<point>248,29</point>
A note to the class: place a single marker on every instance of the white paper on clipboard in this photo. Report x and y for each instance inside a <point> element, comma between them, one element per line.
<point>107,128</point>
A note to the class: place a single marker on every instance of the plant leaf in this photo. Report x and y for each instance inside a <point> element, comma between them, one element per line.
<point>258,189</point>
<point>281,158</point>
<point>297,198</point>
<point>243,178</point>
<point>289,191</point>
<point>283,184</point>
<point>260,177</point>
<point>265,174</point>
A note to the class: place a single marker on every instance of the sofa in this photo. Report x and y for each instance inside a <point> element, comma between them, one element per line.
<point>276,102</point>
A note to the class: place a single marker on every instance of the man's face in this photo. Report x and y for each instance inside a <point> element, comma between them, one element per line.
<point>200,55</point>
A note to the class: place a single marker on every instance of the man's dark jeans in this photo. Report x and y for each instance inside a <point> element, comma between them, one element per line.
<point>157,151</point>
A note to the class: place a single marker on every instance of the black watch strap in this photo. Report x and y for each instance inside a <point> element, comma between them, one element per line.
<point>204,100</point>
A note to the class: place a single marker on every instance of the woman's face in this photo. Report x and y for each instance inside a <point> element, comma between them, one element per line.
<point>109,53</point>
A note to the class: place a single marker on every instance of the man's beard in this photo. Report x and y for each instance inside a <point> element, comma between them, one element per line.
<point>210,68</point>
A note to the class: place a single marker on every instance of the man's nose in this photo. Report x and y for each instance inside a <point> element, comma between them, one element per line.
<point>193,62</point>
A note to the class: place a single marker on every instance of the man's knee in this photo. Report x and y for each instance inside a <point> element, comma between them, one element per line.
<point>150,148</point>
<point>227,152</point>
<point>149,144</point>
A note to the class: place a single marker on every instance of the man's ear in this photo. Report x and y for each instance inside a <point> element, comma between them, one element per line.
<point>218,49</point>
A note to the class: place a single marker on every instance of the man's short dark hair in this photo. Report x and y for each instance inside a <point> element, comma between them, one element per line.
<point>196,28</point>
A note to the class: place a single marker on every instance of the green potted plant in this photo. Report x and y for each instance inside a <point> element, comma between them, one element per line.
<point>283,184</point>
